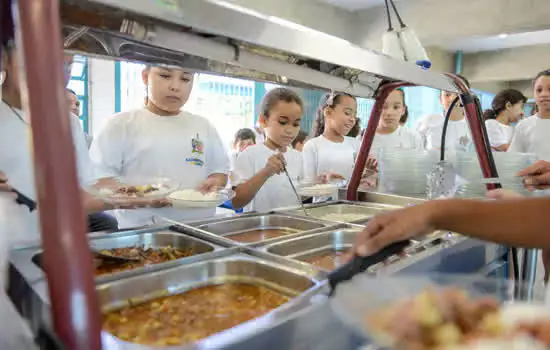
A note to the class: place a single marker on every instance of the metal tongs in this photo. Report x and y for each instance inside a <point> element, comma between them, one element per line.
<point>113,258</point>
<point>295,191</point>
<point>21,199</point>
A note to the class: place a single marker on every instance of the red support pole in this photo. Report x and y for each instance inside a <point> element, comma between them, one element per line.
<point>67,258</point>
<point>368,137</point>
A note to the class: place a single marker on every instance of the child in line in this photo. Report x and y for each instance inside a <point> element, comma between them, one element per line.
<point>300,141</point>
<point>390,134</point>
<point>259,175</point>
<point>243,138</point>
<point>531,134</point>
<point>330,153</point>
<point>506,109</point>
<point>161,140</point>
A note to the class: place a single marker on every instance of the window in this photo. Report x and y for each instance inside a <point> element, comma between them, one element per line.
<point>79,84</point>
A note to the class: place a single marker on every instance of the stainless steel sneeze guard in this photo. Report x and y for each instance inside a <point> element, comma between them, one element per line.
<point>220,37</point>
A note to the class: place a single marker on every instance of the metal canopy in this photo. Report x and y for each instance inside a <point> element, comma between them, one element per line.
<point>220,38</point>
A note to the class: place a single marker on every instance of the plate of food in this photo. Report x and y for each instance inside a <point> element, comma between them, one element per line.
<point>126,190</point>
<point>318,189</point>
<point>191,198</point>
<point>444,313</point>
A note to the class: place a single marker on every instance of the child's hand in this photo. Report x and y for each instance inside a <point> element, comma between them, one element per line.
<point>372,163</point>
<point>537,176</point>
<point>275,165</point>
<point>503,194</point>
<point>328,177</point>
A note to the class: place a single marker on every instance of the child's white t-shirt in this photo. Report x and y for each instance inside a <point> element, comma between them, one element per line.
<point>402,138</point>
<point>532,135</point>
<point>322,156</point>
<point>499,134</point>
<point>185,148</point>
<point>276,191</point>
<point>458,135</point>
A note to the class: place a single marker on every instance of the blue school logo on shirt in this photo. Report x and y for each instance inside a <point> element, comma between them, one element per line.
<point>194,161</point>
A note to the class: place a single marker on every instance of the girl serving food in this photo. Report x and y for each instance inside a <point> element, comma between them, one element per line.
<point>258,176</point>
<point>161,140</point>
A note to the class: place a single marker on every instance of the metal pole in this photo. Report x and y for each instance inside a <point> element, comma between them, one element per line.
<point>529,271</point>
<point>67,258</point>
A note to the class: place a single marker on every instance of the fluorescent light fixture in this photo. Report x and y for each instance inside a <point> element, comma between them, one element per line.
<point>503,36</point>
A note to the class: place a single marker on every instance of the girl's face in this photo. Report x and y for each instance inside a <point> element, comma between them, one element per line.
<point>446,99</point>
<point>542,94</point>
<point>342,117</point>
<point>283,123</point>
<point>515,111</point>
<point>392,111</point>
<point>240,145</point>
<point>168,89</point>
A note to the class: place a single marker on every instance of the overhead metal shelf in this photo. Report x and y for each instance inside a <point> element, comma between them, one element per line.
<point>221,38</point>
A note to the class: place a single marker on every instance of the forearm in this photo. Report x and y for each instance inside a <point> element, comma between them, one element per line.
<point>518,222</point>
<point>221,179</point>
<point>245,192</point>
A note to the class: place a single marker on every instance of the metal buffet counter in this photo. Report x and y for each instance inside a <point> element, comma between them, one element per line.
<point>294,263</point>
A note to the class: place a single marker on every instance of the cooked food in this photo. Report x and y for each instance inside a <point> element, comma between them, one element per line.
<point>147,256</point>
<point>193,315</point>
<point>130,191</point>
<point>193,195</point>
<point>450,319</point>
<point>343,217</point>
<point>329,260</point>
<point>260,235</point>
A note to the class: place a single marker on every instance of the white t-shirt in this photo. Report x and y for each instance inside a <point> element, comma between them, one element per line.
<point>138,143</point>
<point>458,135</point>
<point>276,191</point>
<point>16,161</point>
<point>499,134</point>
<point>322,156</point>
<point>532,135</point>
<point>402,138</point>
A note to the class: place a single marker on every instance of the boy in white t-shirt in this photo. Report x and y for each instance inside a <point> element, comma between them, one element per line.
<point>507,108</point>
<point>458,135</point>
<point>161,140</point>
<point>532,135</point>
<point>259,175</point>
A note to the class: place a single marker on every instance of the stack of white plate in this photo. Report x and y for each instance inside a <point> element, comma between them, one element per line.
<point>405,171</point>
<point>508,165</point>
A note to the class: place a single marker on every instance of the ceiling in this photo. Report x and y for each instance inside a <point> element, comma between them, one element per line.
<point>498,42</point>
<point>353,5</point>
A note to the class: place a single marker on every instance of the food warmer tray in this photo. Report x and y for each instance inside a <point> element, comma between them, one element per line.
<point>320,210</point>
<point>238,264</point>
<point>220,231</point>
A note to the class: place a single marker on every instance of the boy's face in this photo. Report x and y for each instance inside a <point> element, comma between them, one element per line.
<point>168,89</point>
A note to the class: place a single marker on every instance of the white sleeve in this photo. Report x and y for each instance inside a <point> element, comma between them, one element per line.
<point>310,159</point>
<point>517,144</point>
<point>85,167</point>
<point>107,149</point>
<point>417,141</point>
<point>422,129</point>
<point>216,158</point>
<point>495,134</point>
<point>243,169</point>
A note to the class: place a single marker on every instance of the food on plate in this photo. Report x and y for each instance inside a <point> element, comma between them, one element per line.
<point>193,195</point>
<point>192,315</point>
<point>329,260</point>
<point>130,191</point>
<point>450,319</point>
<point>147,256</point>
<point>319,187</point>
<point>343,217</point>
<point>260,235</point>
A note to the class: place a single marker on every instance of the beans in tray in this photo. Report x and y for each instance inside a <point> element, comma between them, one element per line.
<point>147,256</point>
<point>451,319</point>
<point>192,315</point>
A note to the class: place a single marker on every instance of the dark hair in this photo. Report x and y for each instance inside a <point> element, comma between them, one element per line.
<point>71,91</point>
<point>466,81</point>
<point>354,132</point>
<point>544,73</point>
<point>405,115</point>
<point>500,101</point>
<point>300,138</point>
<point>244,134</point>
<point>331,100</point>
<point>277,95</point>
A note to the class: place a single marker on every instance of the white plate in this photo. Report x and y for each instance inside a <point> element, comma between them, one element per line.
<point>107,191</point>
<point>190,198</point>
<point>316,189</point>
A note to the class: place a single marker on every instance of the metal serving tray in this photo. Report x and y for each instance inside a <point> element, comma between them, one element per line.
<point>239,264</point>
<point>28,261</point>
<point>315,245</point>
<point>320,210</point>
<point>222,231</point>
